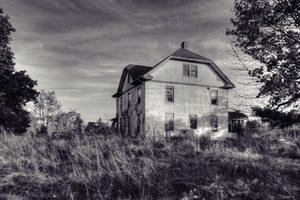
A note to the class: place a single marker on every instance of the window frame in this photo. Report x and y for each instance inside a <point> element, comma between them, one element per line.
<point>214,122</point>
<point>167,95</point>
<point>193,68</point>
<point>216,100</point>
<point>129,99</point>
<point>193,125</point>
<point>169,124</point>
<point>121,103</point>
<point>139,94</point>
<point>186,69</point>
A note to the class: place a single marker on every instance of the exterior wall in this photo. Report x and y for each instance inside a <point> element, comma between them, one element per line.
<point>172,71</point>
<point>191,96</point>
<point>129,115</point>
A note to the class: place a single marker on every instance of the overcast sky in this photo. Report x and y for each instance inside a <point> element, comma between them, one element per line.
<point>78,48</point>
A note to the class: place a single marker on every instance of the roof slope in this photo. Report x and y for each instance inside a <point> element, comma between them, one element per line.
<point>135,72</point>
<point>184,53</point>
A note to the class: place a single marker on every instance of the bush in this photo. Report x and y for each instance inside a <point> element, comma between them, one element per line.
<point>95,167</point>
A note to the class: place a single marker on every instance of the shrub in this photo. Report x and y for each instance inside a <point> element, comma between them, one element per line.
<point>95,167</point>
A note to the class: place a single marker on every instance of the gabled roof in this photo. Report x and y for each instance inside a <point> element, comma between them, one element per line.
<point>184,53</point>
<point>135,71</point>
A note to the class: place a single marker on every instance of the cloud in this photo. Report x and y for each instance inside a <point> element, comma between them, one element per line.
<point>79,48</point>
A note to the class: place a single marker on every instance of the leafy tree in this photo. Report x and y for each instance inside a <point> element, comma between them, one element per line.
<point>99,128</point>
<point>268,31</point>
<point>68,122</point>
<point>46,107</point>
<point>16,87</point>
<point>277,118</point>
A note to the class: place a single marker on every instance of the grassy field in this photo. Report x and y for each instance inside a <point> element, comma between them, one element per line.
<point>257,166</point>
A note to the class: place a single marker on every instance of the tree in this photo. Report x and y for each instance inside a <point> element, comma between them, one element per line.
<point>268,31</point>
<point>278,119</point>
<point>99,128</point>
<point>46,107</point>
<point>16,87</point>
<point>68,122</point>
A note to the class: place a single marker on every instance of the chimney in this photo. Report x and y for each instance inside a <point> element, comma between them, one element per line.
<point>184,45</point>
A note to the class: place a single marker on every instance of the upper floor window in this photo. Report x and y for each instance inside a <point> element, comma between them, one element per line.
<point>214,122</point>
<point>170,93</point>
<point>169,122</point>
<point>214,97</point>
<point>129,99</point>
<point>190,70</point>
<point>139,95</point>
<point>186,70</point>
<point>193,121</point>
<point>194,71</point>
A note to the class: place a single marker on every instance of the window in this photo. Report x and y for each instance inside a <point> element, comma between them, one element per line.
<point>194,71</point>
<point>186,70</point>
<point>193,121</point>
<point>139,95</point>
<point>169,122</point>
<point>170,93</point>
<point>214,97</point>
<point>190,70</point>
<point>129,99</point>
<point>121,103</point>
<point>214,122</point>
<point>128,126</point>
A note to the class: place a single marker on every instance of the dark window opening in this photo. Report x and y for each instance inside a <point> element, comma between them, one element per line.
<point>169,122</point>
<point>193,121</point>
<point>121,103</point>
<point>214,122</point>
<point>129,100</point>
<point>214,97</point>
<point>139,95</point>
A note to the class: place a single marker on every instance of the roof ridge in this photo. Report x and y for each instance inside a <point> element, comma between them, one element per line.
<point>184,53</point>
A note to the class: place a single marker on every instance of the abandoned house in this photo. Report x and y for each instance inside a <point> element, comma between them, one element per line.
<point>183,93</point>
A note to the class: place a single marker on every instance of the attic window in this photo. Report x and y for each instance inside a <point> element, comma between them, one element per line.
<point>194,71</point>
<point>186,70</point>
<point>190,70</point>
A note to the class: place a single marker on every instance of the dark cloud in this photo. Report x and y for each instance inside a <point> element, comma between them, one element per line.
<point>78,48</point>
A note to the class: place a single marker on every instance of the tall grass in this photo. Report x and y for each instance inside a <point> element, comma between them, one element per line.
<point>93,167</point>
